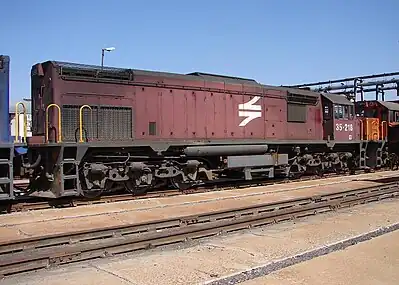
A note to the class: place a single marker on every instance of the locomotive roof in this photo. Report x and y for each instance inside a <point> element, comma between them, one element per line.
<point>390,105</point>
<point>337,99</point>
<point>125,73</point>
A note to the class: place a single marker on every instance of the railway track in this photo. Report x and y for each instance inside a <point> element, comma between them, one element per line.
<point>24,255</point>
<point>29,204</point>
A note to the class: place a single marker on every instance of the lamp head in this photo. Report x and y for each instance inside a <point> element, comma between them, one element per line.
<point>109,49</point>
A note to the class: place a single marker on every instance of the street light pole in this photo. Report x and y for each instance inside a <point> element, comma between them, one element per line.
<point>103,50</point>
<point>102,58</point>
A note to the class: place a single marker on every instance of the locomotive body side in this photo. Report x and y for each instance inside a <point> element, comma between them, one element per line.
<point>157,106</point>
<point>221,111</point>
<point>150,129</point>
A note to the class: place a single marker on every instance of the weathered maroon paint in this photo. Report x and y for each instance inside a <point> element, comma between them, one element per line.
<point>182,112</point>
<point>347,130</point>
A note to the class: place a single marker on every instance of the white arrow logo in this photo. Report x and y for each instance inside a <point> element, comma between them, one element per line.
<point>250,111</point>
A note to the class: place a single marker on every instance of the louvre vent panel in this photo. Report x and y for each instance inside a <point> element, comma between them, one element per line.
<point>116,123</point>
<point>104,123</point>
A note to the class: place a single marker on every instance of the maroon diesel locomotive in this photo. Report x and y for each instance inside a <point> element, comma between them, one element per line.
<point>98,129</point>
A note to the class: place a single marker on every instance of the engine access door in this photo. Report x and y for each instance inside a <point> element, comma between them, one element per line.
<point>328,120</point>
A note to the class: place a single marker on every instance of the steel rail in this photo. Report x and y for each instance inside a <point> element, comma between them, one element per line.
<point>41,252</point>
<point>21,205</point>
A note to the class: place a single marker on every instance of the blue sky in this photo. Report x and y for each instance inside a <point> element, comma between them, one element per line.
<point>274,42</point>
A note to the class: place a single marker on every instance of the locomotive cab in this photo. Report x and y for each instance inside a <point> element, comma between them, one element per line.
<point>339,121</point>
<point>380,120</point>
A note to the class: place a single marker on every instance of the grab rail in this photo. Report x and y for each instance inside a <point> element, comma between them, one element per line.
<point>59,122</point>
<point>81,120</point>
<point>25,134</point>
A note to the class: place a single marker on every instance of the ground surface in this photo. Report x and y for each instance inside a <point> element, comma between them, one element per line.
<point>226,258</point>
<point>372,262</point>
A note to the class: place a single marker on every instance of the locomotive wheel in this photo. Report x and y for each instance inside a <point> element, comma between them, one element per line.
<point>319,171</point>
<point>92,194</point>
<point>295,172</point>
<point>393,161</point>
<point>178,183</point>
<point>130,187</point>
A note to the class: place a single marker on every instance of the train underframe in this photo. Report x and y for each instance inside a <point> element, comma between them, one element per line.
<point>88,169</point>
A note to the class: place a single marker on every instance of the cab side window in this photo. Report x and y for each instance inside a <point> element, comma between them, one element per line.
<point>343,112</point>
<point>394,116</point>
<point>327,114</point>
<point>338,112</point>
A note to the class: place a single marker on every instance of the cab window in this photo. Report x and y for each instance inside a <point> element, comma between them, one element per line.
<point>344,112</point>
<point>394,116</point>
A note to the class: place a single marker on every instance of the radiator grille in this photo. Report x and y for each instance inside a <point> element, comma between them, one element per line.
<point>116,123</point>
<point>105,123</point>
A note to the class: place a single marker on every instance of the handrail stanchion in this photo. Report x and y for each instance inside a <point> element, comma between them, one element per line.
<point>384,130</point>
<point>25,134</point>
<point>361,130</point>
<point>81,120</point>
<point>59,122</point>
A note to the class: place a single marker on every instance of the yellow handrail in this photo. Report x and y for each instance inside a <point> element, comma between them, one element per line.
<point>81,120</point>
<point>59,121</point>
<point>17,122</point>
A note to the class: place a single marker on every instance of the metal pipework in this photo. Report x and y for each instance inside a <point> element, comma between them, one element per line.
<point>366,90</point>
<point>225,150</point>
<point>346,79</point>
<point>358,84</point>
<point>59,122</point>
<point>25,135</point>
<point>81,120</point>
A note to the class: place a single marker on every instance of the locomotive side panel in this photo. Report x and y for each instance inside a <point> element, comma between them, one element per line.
<point>254,129</point>
<point>111,118</point>
<point>314,122</point>
<point>215,116</point>
<point>346,130</point>
<point>304,117</point>
<point>147,113</point>
<point>275,118</point>
<point>198,114</point>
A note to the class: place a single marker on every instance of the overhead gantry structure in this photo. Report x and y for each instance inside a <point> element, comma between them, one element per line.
<point>352,86</point>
